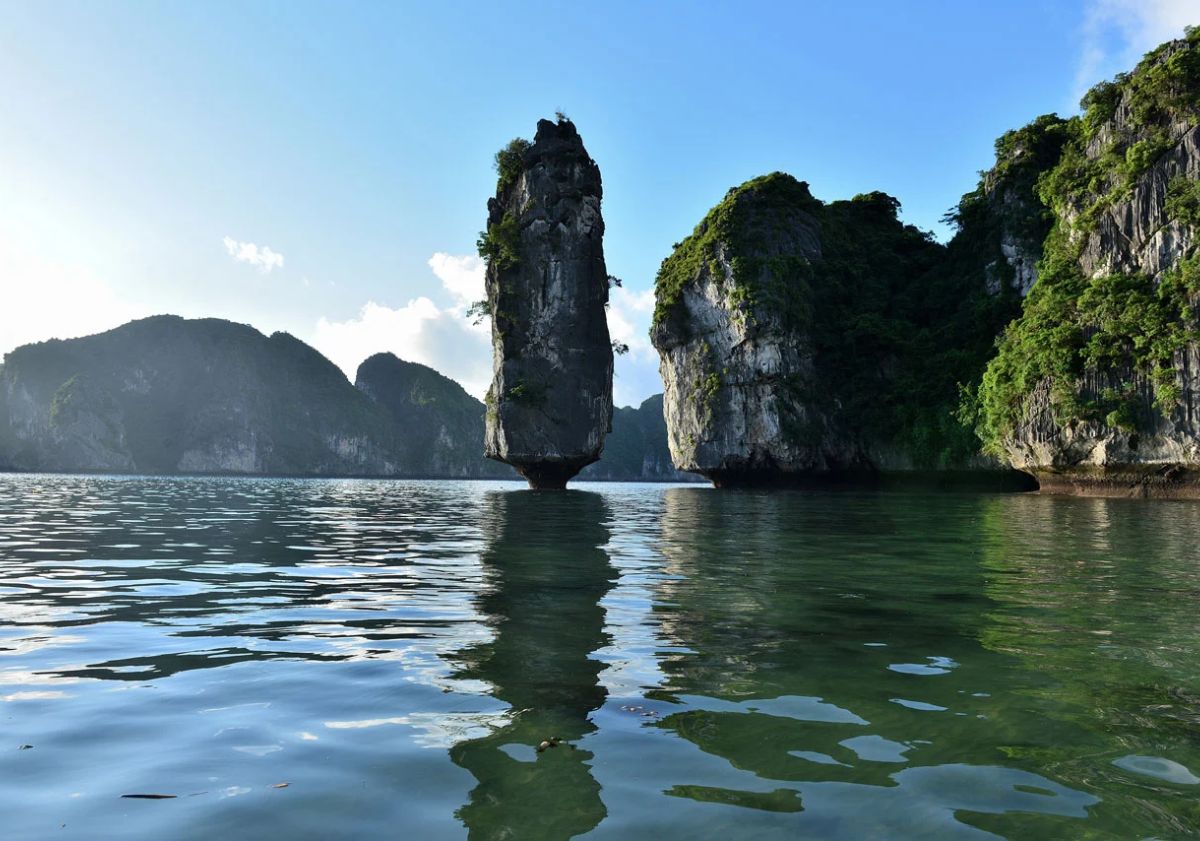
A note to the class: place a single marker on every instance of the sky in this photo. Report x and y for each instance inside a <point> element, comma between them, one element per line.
<point>323,168</point>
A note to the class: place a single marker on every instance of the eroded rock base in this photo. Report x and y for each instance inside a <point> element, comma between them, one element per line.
<point>994,481</point>
<point>546,476</point>
<point>1148,482</point>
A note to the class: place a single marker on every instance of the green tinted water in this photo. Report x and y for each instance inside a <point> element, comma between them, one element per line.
<point>713,664</point>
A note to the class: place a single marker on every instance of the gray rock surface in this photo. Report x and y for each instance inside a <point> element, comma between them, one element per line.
<point>798,341</point>
<point>1161,457</point>
<point>1160,454</point>
<point>550,403</point>
<point>1135,235</point>
<point>729,371</point>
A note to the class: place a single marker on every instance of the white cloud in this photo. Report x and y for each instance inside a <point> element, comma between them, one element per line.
<point>441,337</point>
<point>262,256</point>
<point>444,338</point>
<point>636,372</point>
<point>1116,33</point>
<point>462,277</point>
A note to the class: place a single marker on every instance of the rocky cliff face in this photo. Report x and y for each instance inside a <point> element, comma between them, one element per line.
<point>1095,388</point>
<point>166,395</point>
<point>803,341</point>
<point>809,340</point>
<point>1002,223</point>
<point>550,403</point>
<point>729,362</point>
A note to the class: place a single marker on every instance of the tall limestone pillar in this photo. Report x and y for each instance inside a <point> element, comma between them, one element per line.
<point>550,402</point>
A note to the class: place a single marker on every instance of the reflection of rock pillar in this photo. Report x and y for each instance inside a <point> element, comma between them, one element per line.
<point>547,576</point>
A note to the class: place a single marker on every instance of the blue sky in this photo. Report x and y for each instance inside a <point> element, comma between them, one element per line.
<point>324,168</point>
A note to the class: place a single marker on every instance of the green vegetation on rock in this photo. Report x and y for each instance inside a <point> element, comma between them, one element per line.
<point>1183,201</point>
<point>902,331</point>
<point>510,163</point>
<point>894,320</point>
<point>728,225</point>
<point>1113,324</point>
<point>1116,326</point>
<point>500,244</point>
<point>1006,199</point>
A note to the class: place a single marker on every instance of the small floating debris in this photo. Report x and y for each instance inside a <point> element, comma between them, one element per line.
<point>150,796</point>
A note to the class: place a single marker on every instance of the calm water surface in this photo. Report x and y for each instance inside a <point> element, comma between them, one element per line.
<point>716,664</point>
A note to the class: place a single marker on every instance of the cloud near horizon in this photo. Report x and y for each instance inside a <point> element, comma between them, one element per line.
<point>636,374</point>
<point>445,339</point>
<point>261,256</point>
<point>423,331</point>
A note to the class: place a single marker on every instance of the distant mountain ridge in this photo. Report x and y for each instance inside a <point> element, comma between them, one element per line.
<point>637,447</point>
<point>440,423</point>
<point>165,395</point>
<point>169,395</point>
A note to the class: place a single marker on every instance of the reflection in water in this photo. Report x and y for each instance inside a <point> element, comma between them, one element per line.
<point>254,570</point>
<point>1098,604</point>
<point>817,678</point>
<point>717,665</point>
<point>545,576</point>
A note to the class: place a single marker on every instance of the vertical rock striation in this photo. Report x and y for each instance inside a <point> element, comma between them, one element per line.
<point>550,403</point>
<point>804,340</point>
<point>1096,388</point>
<point>730,360</point>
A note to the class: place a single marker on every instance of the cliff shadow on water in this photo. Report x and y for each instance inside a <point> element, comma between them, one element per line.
<point>546,573</point>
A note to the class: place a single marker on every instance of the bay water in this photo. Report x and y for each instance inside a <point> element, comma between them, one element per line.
<point>262,658</point>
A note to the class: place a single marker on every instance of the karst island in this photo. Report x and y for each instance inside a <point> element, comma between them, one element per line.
<point>630,422</point>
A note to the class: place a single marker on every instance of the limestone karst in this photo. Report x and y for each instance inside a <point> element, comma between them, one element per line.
<point>550,403</point>
<point>802,340</point>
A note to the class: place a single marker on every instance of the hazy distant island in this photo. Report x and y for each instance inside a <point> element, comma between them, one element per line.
<point>167,395</point>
